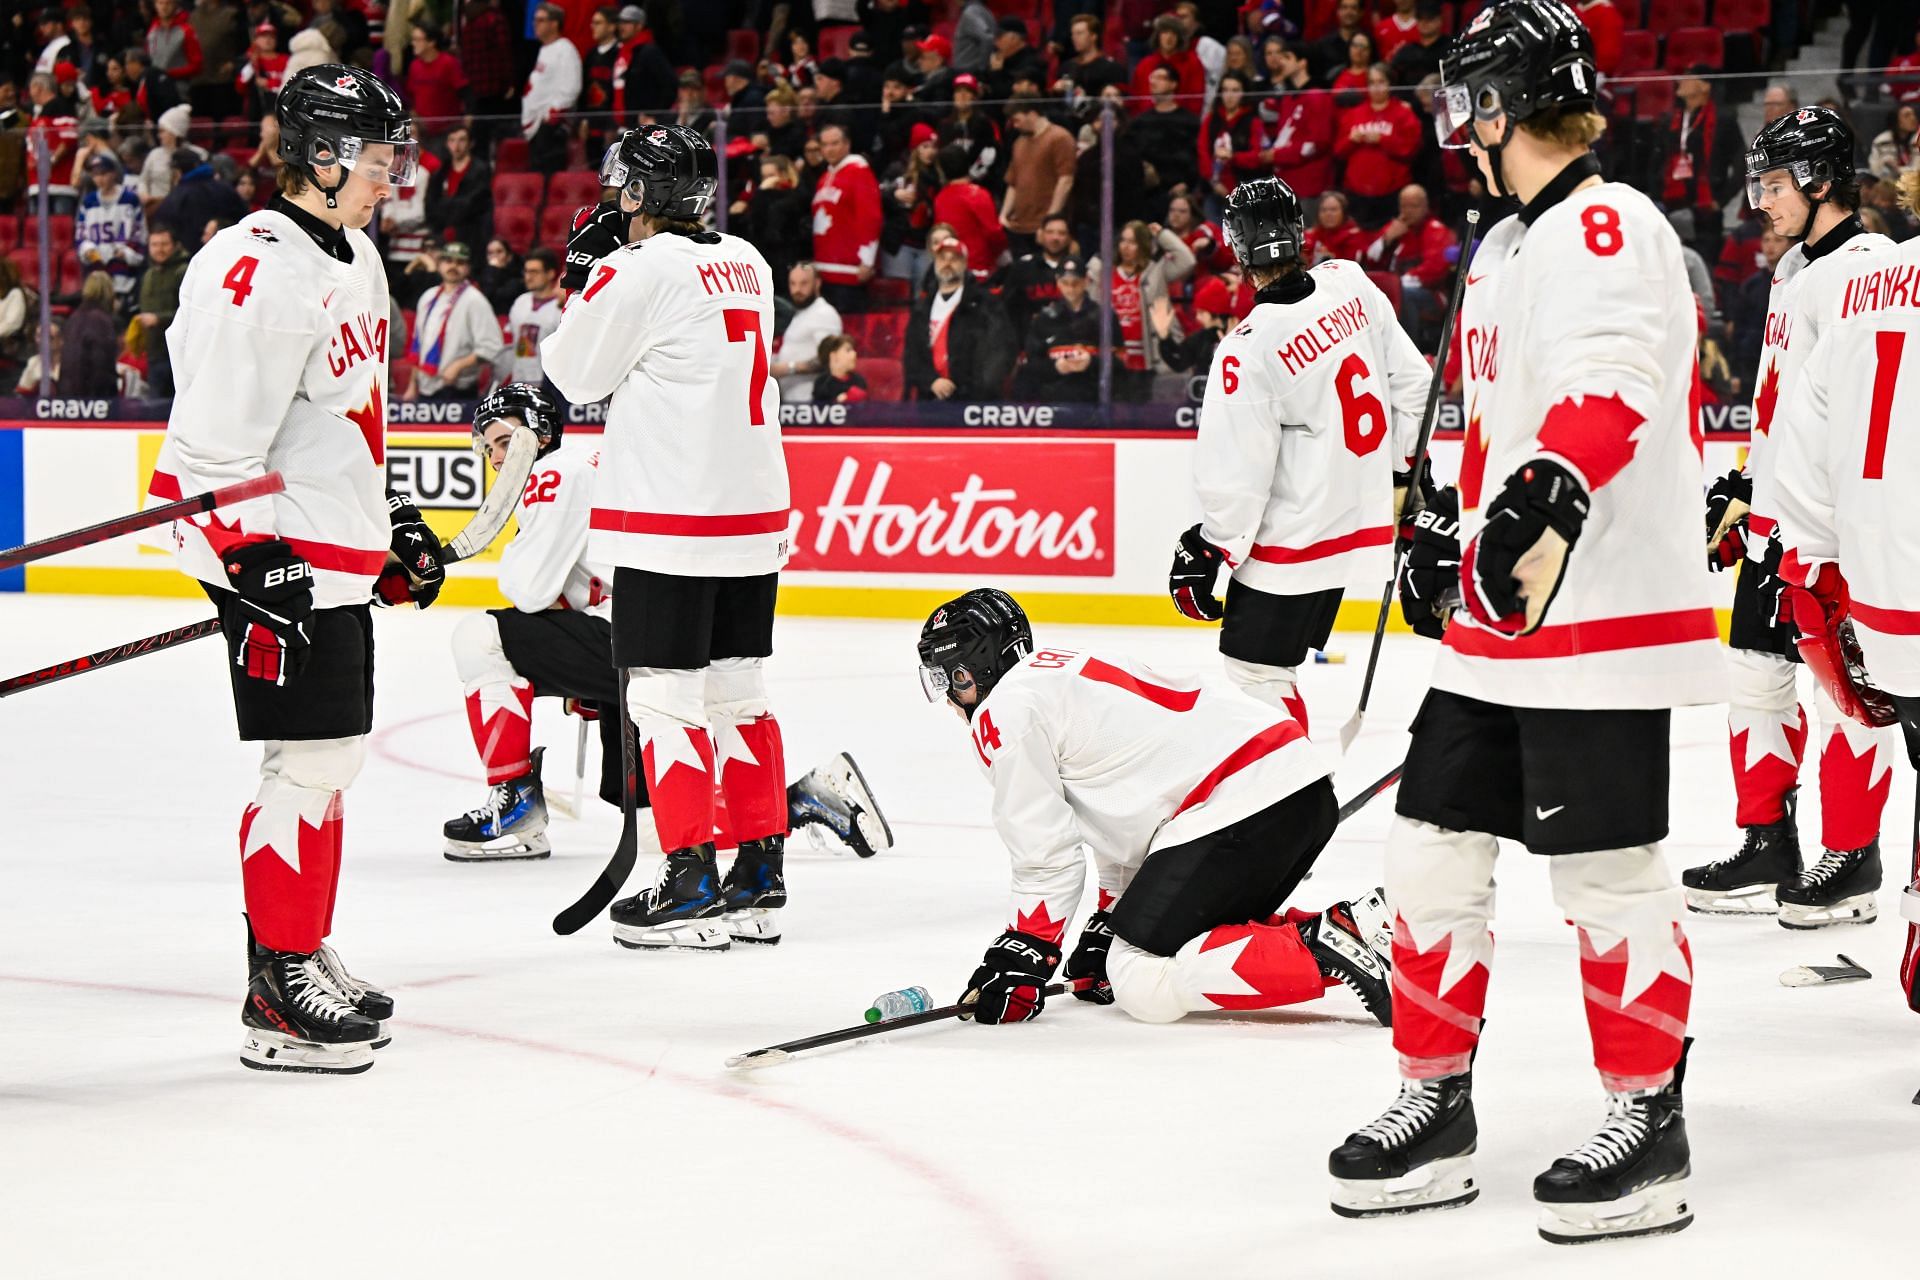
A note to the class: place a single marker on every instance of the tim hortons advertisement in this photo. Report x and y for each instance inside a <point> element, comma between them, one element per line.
<point>919,505</point>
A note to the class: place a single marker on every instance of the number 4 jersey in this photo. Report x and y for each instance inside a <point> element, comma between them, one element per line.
<point>692,479</point>
<point>1103,752</point>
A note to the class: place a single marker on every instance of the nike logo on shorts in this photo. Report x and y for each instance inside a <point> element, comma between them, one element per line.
<point>1544,814</point>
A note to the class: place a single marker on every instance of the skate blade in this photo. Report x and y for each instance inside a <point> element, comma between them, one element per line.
<point>1438,1184</point>
<point>1757,901</point>
<point>272,1051</point>
<point>1859,909</point>
<point>755,925</point>
<point>1652,1211</point>
<point>691,935</point>
<point>872,823</point>
<point>512,850</point>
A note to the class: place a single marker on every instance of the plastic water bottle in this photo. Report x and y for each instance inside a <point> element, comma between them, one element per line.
<point>898,1004</point>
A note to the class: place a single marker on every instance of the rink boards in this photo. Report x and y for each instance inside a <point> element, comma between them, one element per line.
<point>886,522</point>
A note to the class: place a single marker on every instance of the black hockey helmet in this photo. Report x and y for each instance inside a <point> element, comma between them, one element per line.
<point>527,402</point>
<point>1264,223</point>
<point>1518,58</point>
<point>330,114</point>
<point>971,642</point>
<point>669,170</point>
<point>1813,144</point>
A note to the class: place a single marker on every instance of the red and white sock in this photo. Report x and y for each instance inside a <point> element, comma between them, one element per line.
<point>1855,778</point>
<point>500,713</point>
<point>1439,997</point>
<point>678,763</point>
<point>1637,996</point>
<point>753,776</point>
<point>289,862</point>
<point>1250,966</point>
<point>1766,747</point>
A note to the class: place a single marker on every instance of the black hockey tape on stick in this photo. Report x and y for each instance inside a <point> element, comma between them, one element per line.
<point>258,487</point>
<point>107,657</point>
<point>599,896</point>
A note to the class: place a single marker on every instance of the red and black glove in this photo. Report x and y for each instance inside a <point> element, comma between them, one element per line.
<point>1731,549</point>
<point>1541,495</point>
<point>1089,959</point>
<point>1830,649</point>
<point>1196,567</point>
<point>598,229</point>
<point>1010,984</point>
<point>275,591</point>
<point>422,571</point>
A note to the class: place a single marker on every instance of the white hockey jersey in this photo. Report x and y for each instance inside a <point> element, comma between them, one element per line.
<point>1791,332</point>
<point>280,364</point>
<point>693,480</point>
<point>529,321</point>
<point>1847,461</point>
<point>1103,752</point>
<point>546,563</point>
<point>1310,408</point>
<point>1579,340</point>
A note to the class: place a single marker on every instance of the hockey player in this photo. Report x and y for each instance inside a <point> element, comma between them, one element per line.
<point>557,641</point>
<point>691,510</point>
<point>1587,617</point>
<point>1845,473</point>
<point>1196,843</point>
<point>1310,421</point>
<point>280,362</point>
<point>1800,174</point>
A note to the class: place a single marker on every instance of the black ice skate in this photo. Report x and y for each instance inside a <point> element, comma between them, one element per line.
<point>1745,883</point>
<point>1353,942</point>
<point>1838,889</point>
<point>1417,1156</point>
<point>296,1021</point>
<point>511,824</point>
<point>835,797</point>
<point>681,910</point>
<point>367,1000</point>
<point>754,889</point>
<point>1629,1178</point>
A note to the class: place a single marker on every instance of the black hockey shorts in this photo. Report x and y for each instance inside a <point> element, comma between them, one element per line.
<point>567,654</point>
<point>685,623</point>
<point>1239,873</point>
<point>1276,631</point>
<point>1755,624</point>
<point>1558,781</point>
<point>332,697</point>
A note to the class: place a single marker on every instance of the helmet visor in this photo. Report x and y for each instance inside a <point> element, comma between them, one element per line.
<point>614,172</point>
<point>933,681</point>
<point>394,163</point>
<point>1453,116</point>
<point>1773,184</point>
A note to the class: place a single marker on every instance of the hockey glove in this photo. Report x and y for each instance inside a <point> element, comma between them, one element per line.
<point>1009,985</point>
<point>1727,504</point>
<point>422,568</point>
<point>1430,582</point>
<point>275,591</point>
<point>597,231</point>
<point>1511,570</point>
<point>1089,959</point>
<point>1830,649</point>
<point>1196,567</point>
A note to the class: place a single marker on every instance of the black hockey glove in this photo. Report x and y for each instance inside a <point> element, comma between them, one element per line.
<point>1196,567</point>
<point>598,230</point>
<point>1089,959</point>
<point>1540,496</point>
<point>1009,985</point>
<point>275,591</point>
<point>1727,529</point>
<point>422,568</point>
<point>1430,582</point>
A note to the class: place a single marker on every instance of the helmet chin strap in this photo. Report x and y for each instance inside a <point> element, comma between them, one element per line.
<point>1813,208</point>
<point>1492,151</point>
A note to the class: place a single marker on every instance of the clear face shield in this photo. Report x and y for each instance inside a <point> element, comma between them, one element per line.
<point>615,173</point>
<point>501,428</point>
<point>1453,115</point>
<point>1774,184</point>
<point>392,163</point>
<point>933,682</point>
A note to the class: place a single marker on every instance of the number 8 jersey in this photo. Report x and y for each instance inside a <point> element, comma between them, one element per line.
<point>692,480</point>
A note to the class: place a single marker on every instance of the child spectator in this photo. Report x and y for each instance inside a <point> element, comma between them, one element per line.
<point>110,233</point>
<point>840,383</point>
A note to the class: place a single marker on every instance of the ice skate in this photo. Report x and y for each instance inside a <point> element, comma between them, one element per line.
<point>1353,942</point>
<point>296,1021</point>
<point>1417,1156</point>
<point>1746,882</point>
<point>755,888</point>
<point>511,825</point>
<point>1838,889</point>
<point>680,912</point>
<point>835,798</point>
<point>1628,1179</point>
<point>367,1000</point>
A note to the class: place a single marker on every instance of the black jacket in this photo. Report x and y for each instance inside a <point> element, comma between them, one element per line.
<point>779,224</point>
<point>1170,142</point>
<point>468,213</point>
<point>1026,285</point>
<point>980,350</point>
<point>1055,329</point>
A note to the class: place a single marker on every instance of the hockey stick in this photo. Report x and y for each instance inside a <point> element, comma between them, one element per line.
<point>509,482</point>
<point>601,894</point>
<point>1359,802</point>
<point>241,491</point>
<point>580,768</point>
<point>1351,729</point>
<point>107,657</point>
<point>756,1058</point>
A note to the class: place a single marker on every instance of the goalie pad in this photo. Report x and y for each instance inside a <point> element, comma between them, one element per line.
<point>1832,652</point>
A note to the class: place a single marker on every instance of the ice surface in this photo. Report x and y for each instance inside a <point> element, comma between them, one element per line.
<point>552,1105</point>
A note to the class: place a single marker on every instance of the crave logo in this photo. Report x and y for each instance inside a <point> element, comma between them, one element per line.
<point>932,506</point>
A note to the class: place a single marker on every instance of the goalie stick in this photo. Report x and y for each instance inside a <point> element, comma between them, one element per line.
<point>1411,508</point>
<point>242,491</point>
<point>600,893</point>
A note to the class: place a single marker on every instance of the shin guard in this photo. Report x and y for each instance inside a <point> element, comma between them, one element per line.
<point>1441,885</point>
<point>500,713</point>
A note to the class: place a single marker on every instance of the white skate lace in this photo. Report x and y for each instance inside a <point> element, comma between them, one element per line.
<point>1412,1111</point>
<point>1831,864</point>
<point>311,993</point>
<point>1625,1129</point>
<point>498,801</point>
<point>335,970</point>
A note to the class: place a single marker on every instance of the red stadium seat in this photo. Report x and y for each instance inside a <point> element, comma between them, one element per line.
<point>572,188</point>
<point>887,292</point>
<point>1389,284</point>
<point>511,155</point>
<point>524,189</point>
<point>885,381</point>
<point>744,43</point>
<point>556,225</point>
<point>27,263</point>
<point>514,224</point>
<point>60,225</point>
<point>884,334</point>
<point>71,276</point>
<point>1743,15</point>
<point>1664,17</point>
<point>836,42</point>
<point>1691,45</point>
<point>9,231</point>
<point>1629,13</point>
<point>1639,51</point>
<point>1653,99</point>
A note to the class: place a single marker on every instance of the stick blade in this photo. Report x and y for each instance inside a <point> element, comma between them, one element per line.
<point>600,895</point>
<point>755,1059</point>
<point>1351,730</point>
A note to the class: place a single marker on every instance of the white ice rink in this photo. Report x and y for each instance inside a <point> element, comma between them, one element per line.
<point>557,1107</point>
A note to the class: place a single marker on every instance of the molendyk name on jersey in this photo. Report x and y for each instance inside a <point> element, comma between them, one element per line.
<point>729,277</point>
<point>1311,343</point>
<point>1877,290</point>
<point>361,338</point>
<point>1483,354</point>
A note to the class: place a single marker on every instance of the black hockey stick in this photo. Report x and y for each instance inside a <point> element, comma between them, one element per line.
<point>1351,729</point>
<point>258,487</point>
<point>107,657</point>
<point>1359,802</point>
<point>601,894</point>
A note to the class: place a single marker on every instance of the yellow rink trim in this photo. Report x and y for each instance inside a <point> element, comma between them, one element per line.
<point>797,601</point>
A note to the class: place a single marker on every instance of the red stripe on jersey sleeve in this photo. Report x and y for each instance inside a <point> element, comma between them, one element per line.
<point>1594,433</point>
<point>1601,635</point>
<point>1377,537</point>
<point>609,520</point>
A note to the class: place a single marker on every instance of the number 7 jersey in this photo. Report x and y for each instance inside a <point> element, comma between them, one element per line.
<point>692,480</point>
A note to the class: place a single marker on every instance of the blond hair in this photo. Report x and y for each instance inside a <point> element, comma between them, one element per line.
<point>1910,190</point>
<point>1573,129</point>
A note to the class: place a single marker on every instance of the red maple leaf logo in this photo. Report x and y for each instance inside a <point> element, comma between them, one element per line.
<point>1594,433</point>
<point>1767,397</point>
<point>1473,463</point>
<point>1040,923</point>
<point>371,418</point>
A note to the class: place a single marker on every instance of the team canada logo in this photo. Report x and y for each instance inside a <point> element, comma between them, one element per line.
<point>1806,115</point>
<point>346,84</point>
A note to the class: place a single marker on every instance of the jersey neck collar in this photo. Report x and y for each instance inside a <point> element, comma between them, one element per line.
<point>332,240</point>
<point>1295,287</point>
<point>1560,186</point>
<point>1839,234</point>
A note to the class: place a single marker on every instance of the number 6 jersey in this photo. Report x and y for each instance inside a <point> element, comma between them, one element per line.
<point>692,481</point>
